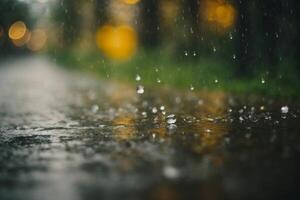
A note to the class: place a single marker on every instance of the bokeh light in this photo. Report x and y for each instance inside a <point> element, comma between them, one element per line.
<point>218,14</point>
<point>23,40</point>
<point>17,30</point>
<point>130,2</point>
<point>117,42</point>
<point>37,40</point>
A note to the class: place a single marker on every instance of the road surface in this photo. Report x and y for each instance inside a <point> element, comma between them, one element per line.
<point>67,135</point>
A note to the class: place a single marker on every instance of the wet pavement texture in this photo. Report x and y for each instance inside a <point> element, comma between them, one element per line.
<point>65,135</point>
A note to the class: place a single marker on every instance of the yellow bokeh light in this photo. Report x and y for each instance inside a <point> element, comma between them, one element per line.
<point>17,30</point>
<point>218,13</point>
<point>131,2</point>
<point>37,40</point>
<point>117,42</point>
<point>23,40</point>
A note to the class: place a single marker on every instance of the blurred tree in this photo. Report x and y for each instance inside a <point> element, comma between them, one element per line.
<point>191,22</point>
<point>10,12</point>
<point>150,23</point>
<point>270,10</point>
<point>295,11</point>
<point>66,16</point>
<point>100,12</point>
<point>243,39</point>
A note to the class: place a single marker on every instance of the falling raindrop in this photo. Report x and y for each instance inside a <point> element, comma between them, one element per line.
<point>154,110</point>
<point>192,88</point>
<point>284,109</point>
<point>230,36</point>
<point>234,56</point>
<point>162,108</point>
<point>171,121</point>
<point>170,172</point>
<point>138,77</point>
<point>185,53</point>
<point>95,108</point>
<point>140,89</point>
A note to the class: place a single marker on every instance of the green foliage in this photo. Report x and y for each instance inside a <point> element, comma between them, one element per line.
<point>204,74</point>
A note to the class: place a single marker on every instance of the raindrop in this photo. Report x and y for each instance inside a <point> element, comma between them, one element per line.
<point>138,77</point>
<point>284,109</point>
<point>140,89</point>
<point>234,56</point>
<point>171,121</point>
<point>192,88</point>
<point>171,127</point>
<point>162,108</point>
<point>170,172</point>
<point>158,80</point>
<point>185,53</point>
<point>154,110</point>
<point>207,130</point>
<point>153,135</point>
<point>263,81</point>
<point>214,49</point>
<point>95,108</point>
<point>216,80</point>
<point>200,102</point>
<point>194,54</point>
<point>171,116</point>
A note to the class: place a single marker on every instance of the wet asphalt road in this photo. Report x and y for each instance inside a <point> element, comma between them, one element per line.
<point>70,136</point>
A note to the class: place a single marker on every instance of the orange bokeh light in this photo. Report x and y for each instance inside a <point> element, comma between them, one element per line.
<point>117,42</point>
<point>17,30</point>
<point>218,13</point>
<point>23,40</point>
<point>37,40</point>
<point>131,2</point>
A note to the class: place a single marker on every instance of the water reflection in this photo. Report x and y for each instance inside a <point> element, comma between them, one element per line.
<point>93,139</point>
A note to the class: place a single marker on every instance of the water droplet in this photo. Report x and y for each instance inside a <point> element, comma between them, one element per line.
<point>154,110</point>
<point>234,56</point>
<point>192,88</point>
<point>170,172</point>
<point>158,80</point>
<point>263,81</point>
<point>144,114</point>
<point>138,77</point>
<point>214,49</point>
<point>162,108</point>
<point>171,121</point>
<point>171,116</point>
<point>216,80</point>
<point>284,109</point>
<point>95,108</point>
<point>194,53</point>
<point>185,53</point>
<point>207,130</point>
<point>140,89</point>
